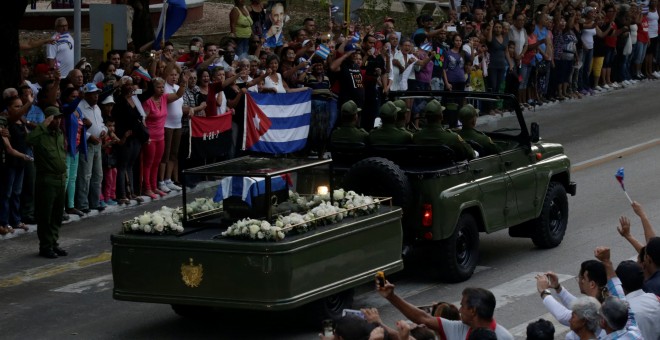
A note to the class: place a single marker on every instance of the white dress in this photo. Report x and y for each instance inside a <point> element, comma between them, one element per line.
<point>270,84</point>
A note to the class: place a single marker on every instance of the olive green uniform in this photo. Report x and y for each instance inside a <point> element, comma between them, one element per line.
<point>49,161</point>
<point>435,134</point>
<point>349,134</point>
<point>475,135</point>
<point>389,134</point>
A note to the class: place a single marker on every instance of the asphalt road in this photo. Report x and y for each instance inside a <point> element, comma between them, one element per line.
<point>71,297</point>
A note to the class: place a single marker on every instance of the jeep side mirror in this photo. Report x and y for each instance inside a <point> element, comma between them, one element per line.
<point>535,132</point>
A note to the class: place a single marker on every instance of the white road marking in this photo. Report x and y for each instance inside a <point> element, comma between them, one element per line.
<point>615,154</point>
<point>95,285</point>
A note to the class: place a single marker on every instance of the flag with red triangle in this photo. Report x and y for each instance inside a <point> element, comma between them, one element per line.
<point>256,122</point>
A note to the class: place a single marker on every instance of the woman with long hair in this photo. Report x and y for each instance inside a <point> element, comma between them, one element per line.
<point>128,116</point>
<point>273,82</point>
<point>240,26</point>
<point>155,109</point>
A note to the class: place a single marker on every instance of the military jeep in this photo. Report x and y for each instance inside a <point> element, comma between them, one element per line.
<point>447,202</point>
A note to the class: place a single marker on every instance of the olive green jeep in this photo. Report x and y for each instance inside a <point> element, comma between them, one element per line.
<point>447,202</point>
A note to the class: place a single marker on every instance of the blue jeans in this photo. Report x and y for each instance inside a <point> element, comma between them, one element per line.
<point>72,173</point>
<point>11,197</point>
<point>90,176</point>
<point>587,58</point>
<point>625,67</point>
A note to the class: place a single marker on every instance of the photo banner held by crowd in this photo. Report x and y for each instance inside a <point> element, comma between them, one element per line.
<point>277,123</point>
<point>210,136</point>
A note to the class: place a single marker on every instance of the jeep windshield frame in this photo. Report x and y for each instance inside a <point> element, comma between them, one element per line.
<point>523,137</point>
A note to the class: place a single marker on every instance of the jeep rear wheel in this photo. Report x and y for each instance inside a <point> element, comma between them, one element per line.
<point>550,226</point>
<point>459,254</point>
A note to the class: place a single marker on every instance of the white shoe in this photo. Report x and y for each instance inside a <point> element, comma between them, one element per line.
<point>633,81</point>
<point>607,87</point>
<point>598,88</point>
<point>615,85</point>
<point>172,186</point>
<point>656,74</point>
<point>163,187</point>
<point>626,83</point>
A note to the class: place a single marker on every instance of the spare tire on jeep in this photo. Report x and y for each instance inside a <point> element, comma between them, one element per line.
<point>377,176</point>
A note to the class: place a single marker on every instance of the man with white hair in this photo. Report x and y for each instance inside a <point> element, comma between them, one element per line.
<point>60,54</point>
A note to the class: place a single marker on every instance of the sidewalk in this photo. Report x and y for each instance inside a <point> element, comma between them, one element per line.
<point>118,208</point>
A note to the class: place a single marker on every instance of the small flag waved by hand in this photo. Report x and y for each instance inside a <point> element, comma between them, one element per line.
<point>619,177</point>
<point>323,51</point>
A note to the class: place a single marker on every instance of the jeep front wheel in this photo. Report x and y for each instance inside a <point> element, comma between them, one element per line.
<point>549,228</point>
<point>459,254</point>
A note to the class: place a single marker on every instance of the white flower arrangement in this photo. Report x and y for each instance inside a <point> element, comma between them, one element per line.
<point>163,221</point>
<point>255,230</point>
<point>319,212</point>
<point>203,204</point>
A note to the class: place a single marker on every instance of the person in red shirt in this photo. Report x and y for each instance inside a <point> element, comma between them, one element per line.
<point>196,54</point>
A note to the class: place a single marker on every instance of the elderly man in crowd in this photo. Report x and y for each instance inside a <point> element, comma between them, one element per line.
<point>90,170</point>
<point>60,54</point>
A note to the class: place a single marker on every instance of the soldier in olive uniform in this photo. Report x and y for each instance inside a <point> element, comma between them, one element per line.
<point>403,115</point>
<point>348,132</point>
<point>435,134</point>
<point>49,160</point>
<point>468,117</point>
<point>388,133</point>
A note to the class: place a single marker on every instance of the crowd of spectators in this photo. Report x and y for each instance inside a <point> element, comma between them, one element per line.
<point>619,302</point>
<point>126,119</point>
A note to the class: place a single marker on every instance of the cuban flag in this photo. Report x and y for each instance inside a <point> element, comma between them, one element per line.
<point>356,38</point>
<point>619,177</point>
<point>277,123</point>
<point>323,51</point>
<point>427,47</point>
<point>172,16</point>
<point>249,187</point>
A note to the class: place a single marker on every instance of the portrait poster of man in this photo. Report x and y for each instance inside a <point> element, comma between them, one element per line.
<point>274,26</point>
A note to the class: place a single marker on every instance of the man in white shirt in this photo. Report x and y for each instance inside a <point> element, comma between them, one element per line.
<point>90,168</point>
<point>60,54</point>
<point>646,306</point>
<point>477,308</point>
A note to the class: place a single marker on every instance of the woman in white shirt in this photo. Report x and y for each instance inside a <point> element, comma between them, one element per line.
<point>273,82</point>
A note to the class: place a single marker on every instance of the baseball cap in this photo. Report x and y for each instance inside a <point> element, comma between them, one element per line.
<point>389,110</point>
<point>52,111</point>
<point>108,100</point>
<point>349,108</point>
<point>90,88</point>
<point>588,9</point>
<point>433,108</point>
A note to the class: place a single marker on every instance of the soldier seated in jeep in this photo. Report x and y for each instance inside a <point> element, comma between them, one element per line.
<point>388,133</point>
<point>348,132</point>
<point>435,134</point>
<point>484,145</point>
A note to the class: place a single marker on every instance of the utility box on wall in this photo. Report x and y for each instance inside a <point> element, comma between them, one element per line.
<point>102,14</point>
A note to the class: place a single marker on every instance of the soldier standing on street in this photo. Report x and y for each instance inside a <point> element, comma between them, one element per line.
<point>348,132</point>
<point>468,116</point>
<point>49,160</point>
<point>435,134</point>
<point>389,134</point>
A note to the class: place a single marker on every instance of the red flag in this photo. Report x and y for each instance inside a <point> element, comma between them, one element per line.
<point>256,122</point>
<point>210,136</point>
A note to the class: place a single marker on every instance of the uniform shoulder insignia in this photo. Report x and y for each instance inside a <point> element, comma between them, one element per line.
<point>460,139</point>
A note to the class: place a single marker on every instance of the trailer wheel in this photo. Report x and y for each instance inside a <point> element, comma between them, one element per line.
<point>331,307</point>
<point>190,311</point>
